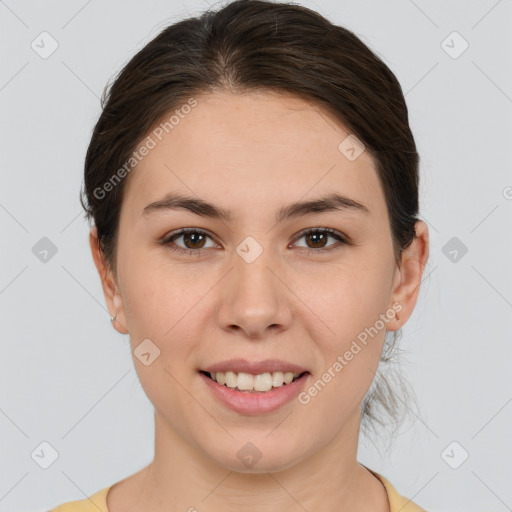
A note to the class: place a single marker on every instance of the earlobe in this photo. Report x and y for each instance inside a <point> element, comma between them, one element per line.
<point>119,316</point>
<point>111,292</point>
<point>408,277</point>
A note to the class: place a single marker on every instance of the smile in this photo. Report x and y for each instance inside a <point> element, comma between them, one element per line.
<point>251,401</point>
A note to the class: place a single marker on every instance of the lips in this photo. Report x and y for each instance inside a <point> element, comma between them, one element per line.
<point>254,367</point>
<point>254,403</point>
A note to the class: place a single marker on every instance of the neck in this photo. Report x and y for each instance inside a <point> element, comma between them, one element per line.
<point>183,478</point>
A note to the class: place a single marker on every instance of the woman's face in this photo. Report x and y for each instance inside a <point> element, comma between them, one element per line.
<point>253,286</point>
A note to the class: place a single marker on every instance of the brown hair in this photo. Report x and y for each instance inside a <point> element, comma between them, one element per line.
<point>248,45</point>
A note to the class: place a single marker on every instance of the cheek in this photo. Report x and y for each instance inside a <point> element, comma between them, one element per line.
<point>344,299</point>
<point>349,332</point>
<point>155,295</point>
<point>166,305</point>
<point>158,304</point>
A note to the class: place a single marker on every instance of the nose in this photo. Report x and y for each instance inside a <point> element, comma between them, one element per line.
<point>255,298</point>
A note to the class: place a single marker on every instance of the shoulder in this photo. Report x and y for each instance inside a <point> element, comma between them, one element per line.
<point>397,502</point>
<point>95,503</point>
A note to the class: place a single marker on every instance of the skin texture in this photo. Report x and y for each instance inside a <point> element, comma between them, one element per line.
<point>254,153</point>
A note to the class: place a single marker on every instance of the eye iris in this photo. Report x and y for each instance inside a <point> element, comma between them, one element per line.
<point>322,237</point>
<point>187,236</point>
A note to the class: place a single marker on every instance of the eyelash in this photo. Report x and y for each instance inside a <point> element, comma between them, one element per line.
<point>168,241</point>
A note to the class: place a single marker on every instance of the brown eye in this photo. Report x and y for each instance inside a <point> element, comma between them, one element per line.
<point>193,240</point>
<point>317,238</point>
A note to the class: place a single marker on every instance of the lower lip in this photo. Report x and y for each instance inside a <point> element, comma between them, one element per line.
<point>256,403</point>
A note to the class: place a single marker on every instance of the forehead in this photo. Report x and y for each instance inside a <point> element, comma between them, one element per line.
<point>245,150</point>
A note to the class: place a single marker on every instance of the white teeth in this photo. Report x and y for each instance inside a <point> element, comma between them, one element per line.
<point>288,377</point>
<point>248,382</point>
<point>277,379</point>
<point>245,381</point>
<point>263,382</point>
<point>231,379</point>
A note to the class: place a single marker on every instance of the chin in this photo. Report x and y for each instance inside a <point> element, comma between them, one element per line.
<point>257,456</point>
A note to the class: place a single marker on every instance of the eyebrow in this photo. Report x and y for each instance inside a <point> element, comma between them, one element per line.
<point>326,203</point>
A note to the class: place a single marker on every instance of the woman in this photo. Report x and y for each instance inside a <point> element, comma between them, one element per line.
<point>253,183</point>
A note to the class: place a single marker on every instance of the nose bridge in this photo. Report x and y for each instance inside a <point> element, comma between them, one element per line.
<point>254,298</point>
<point>254,282</point>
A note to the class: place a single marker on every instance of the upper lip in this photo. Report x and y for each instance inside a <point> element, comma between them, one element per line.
<point>254,367</point>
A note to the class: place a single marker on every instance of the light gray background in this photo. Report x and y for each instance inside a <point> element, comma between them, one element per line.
<point>67,377</point>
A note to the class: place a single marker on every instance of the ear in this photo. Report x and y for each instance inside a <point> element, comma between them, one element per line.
<point>407,278</point>
<point>108,282</point>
